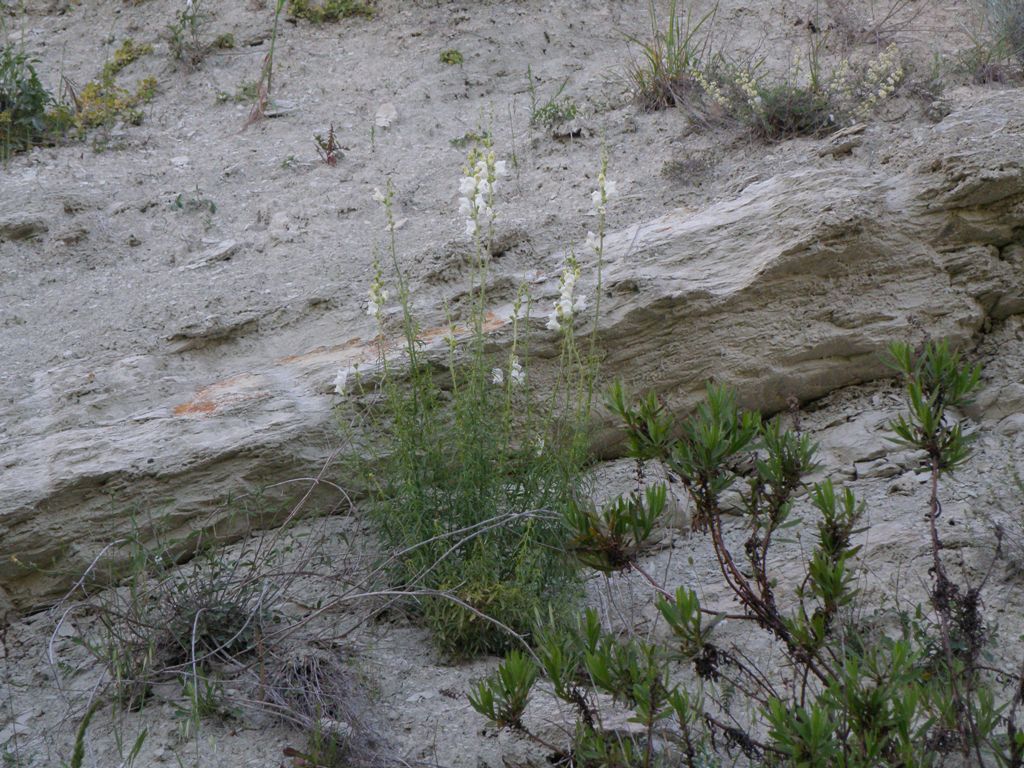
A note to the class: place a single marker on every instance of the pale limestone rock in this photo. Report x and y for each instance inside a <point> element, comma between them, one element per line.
<point>791,289</point>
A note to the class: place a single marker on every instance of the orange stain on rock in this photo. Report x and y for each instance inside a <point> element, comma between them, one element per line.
<point>195,408</point>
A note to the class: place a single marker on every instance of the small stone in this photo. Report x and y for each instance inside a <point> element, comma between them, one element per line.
<point>21,227</point>
<point>386,115</point>
<point>905,485</point>
<point>1011,425</point>
<point>338,730</point>
<point>222,251</point>
<point>180,162</point>
<point>876,468</point>
<point>11,731</point>
<point>420,696</point>
<point>133,241</point>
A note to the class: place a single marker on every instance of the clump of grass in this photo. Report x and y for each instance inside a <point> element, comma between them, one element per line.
<point>329,10</point>
<point>316,691</point>
<point>167,623</point>
<point>996,53</point>
<point>662,76</point>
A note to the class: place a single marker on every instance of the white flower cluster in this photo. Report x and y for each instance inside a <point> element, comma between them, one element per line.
<point>709,87</point>
<point>568,304</point>
<point>751,92</point>
<point>516,373</point>
<point>604,192</point>
<point>477,189</point>
<point>341,380</point>
<point>881,79</point>
<point>378,296</point>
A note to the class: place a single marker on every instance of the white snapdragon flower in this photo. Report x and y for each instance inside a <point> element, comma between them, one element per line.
<point>340,381</point>
<point>477,189</point>
<point>593,242</point>
<point>516,372</point>
<point>605,191</point>
<point>378,296</point>
<point>568,304</point>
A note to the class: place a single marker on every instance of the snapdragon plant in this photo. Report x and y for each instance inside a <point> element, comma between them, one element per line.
<point>473,458</point>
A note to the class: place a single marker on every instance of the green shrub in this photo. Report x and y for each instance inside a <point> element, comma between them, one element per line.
<point>474,458</point>
<point>24,101</point>
<point>808,100</point>
<point>102,103</point>
<point>849,692</point>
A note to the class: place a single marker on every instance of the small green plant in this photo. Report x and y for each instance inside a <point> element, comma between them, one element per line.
<point>663,74</point>
<point>555,110</point>
<point>102,102</point>
<point>194,202</point>
<point>224,42</point>
<point>451,56</point>
<point>123,56</point>
<point>470,138</point>
<point>245,92</point>
<point>185,35</point>
<point>328,147</point>
<point>78,754</point>
<point>502,699</point>
<point>201,700</point>
<point>329,10</point>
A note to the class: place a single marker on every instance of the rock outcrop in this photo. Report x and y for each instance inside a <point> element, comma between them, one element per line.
<point>791,289</point>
